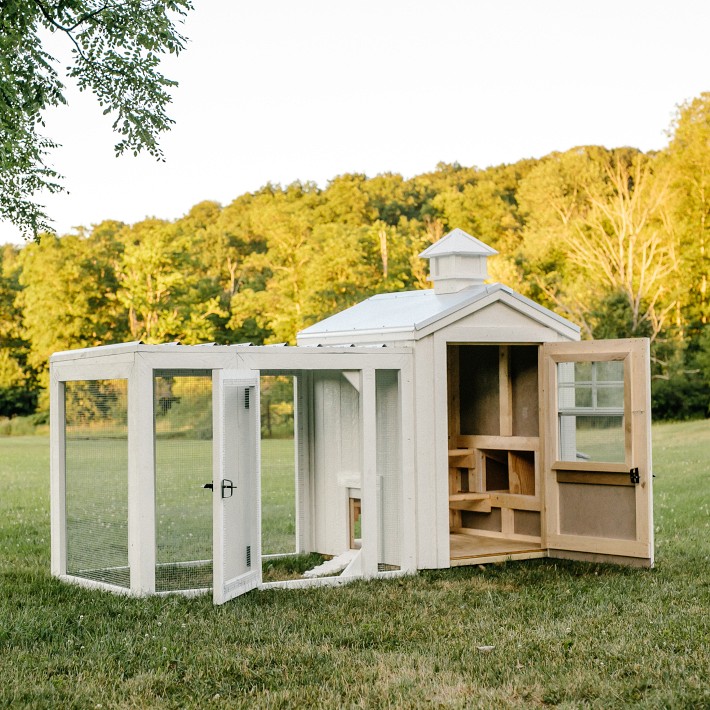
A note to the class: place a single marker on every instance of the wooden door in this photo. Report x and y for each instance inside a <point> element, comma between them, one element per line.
<point>236,484</point>
<point>596,415</point>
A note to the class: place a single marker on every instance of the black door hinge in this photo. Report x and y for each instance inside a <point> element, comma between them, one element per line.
<point>634,475</point>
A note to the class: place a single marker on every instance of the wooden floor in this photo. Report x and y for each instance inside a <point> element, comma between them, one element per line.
<point>466,546</point>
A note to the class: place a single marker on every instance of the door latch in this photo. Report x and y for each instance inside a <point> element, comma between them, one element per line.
<point>227,485</point>
<point>209,485</point>
<point>634,475</point>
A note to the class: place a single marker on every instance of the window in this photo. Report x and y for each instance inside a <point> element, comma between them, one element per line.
<point>591,411</point>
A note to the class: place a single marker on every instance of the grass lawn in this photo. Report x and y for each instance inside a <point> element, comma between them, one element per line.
<point>564,634</point>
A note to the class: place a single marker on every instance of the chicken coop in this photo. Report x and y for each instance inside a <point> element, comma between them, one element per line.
<point>459,425</point>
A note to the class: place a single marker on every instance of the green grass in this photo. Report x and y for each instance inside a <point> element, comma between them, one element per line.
<point>564,634</point>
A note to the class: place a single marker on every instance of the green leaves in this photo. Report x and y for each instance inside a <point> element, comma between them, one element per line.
<point>116,49</point>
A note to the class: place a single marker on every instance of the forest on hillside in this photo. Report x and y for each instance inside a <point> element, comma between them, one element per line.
<point>616,240</point>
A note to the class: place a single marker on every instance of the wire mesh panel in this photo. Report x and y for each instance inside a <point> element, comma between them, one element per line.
<point>389,469</point>
<point>278,465</point>
<point>183,465</point>
<point>96,465</point>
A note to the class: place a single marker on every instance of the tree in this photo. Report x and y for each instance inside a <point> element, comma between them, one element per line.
<point>116,47</point>
<point>687,159</point>
<point>285,218</point>
<point>599,245</point>
<point>625,244</point>
<point>68,298</point>
<point>161,286</point>
<point>18,391</point>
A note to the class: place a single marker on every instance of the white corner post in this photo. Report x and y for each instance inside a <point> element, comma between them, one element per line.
<point>141,478</point>
<point>408,523</point>
<point>370,513</point>
<point>57,475</point>
<point>303,397</point>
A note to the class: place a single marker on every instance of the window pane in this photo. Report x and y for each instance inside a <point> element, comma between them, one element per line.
<point>610,371</point>
<point>582,371</point>
<point>592,438</point>
<point>583,396</point>
<point>591,411</point>
<point>610,396</point>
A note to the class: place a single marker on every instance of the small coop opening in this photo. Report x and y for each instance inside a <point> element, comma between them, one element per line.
<point>494,490</point>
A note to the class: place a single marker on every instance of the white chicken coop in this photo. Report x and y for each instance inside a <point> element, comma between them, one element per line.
<point>460,425</point>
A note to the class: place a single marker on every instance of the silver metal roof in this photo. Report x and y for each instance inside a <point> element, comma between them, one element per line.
<point>414,310</point>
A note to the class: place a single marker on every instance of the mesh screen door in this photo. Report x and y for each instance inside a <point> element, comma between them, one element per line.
<point>96,470</point>
<point>236,495</point>
<point>183,465</point>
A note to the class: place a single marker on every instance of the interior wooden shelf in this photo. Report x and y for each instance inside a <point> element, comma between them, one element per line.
<point>477,502</point>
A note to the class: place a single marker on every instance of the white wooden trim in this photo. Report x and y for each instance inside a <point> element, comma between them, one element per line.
<point>408,532</point>
<point>141,479</point>
<point>57,476</point>
<point>189,593</point>
<point>427,513</point>
<point>370,503</point>
<point>93,584</point>
<point>502,335</point>
<point>440,471</point>
<point>301,429</point>
<point>109,369</point>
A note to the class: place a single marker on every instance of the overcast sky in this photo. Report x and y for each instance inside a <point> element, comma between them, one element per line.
<point>281,91</point>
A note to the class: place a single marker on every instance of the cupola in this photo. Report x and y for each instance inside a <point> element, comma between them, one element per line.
<point>457,261</point>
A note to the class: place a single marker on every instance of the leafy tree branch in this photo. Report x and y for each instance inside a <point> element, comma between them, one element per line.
<point>116,49</point>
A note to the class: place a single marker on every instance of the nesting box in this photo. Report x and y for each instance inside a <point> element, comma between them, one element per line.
<point>459,425</point>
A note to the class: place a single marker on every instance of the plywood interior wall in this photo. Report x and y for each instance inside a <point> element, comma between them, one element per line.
<point>524,385</point>
<point>479,387</point>
<point>598,510</point>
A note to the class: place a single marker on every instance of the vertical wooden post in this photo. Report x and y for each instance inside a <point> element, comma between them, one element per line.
<point>370,502</point>
<point>505,391</point>
<point>638,384</point>
<point>141,478</point>
<point>408,527</point>
<point>57,475</point>
<point>303,398</point>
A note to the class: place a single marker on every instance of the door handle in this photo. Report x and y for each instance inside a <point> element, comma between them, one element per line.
<point>227,485</point>
<point>209,485</point>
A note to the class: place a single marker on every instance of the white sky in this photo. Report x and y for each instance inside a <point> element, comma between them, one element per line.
<point>281,90</point>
